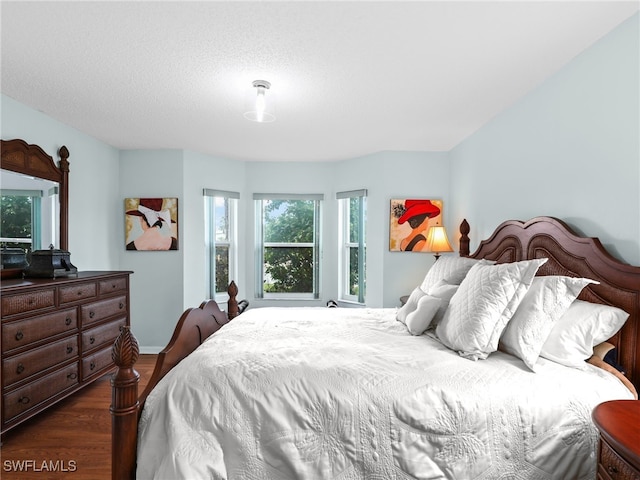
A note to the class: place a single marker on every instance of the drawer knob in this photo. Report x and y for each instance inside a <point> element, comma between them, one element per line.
<point>92,340</point>
<point>113,285</point>
<point>79,293</point>
<point>612,470</point>
<point>67,321</point>
<point>72,376</point>
<point>24,400</point>
<point>92,314</point>
<point>20,369</point>
<point>121,305</point>
<point>19,335</point>
<point>69,349</point>
<point>92,365</point>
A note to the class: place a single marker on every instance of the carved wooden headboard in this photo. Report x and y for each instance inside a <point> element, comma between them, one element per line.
<point>576,256</point>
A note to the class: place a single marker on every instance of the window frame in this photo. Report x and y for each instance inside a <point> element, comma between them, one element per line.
<point>260,245</point>
<point>344,215</point>
<point>212,243</point>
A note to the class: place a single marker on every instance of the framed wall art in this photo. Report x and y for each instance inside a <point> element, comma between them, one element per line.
<point>409,222</point>
<point>151,223</point>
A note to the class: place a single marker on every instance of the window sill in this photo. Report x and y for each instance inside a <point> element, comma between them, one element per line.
<point>350,303</point>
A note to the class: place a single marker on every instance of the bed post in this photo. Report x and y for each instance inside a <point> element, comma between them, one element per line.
<point>232,303</point>
<point>63,152</point>
<point>464,238</point>
<point>124,406</point>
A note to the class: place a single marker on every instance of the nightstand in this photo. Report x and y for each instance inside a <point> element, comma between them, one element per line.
<point>619,451</point>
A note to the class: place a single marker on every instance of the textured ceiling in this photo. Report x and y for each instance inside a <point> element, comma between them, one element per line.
<point>349,78</point>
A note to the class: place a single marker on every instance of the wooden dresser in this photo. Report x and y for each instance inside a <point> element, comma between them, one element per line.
<point>56,338</point>
<point>619,452</point>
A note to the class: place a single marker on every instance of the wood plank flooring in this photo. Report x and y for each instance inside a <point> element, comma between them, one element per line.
<point>74,435</point>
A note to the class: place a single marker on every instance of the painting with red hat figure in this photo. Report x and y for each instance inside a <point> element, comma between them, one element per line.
<point>151,223</point>
<point>409,223</point>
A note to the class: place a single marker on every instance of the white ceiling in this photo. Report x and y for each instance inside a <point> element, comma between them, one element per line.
<point>350,78</point>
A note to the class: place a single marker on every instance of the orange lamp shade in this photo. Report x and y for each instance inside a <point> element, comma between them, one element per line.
<point>437,240</point>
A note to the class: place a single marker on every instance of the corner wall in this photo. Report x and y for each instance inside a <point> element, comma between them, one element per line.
<point>204,171</point>
<point>569,149</point>
<point>94,216</point>
<point>390,175</point>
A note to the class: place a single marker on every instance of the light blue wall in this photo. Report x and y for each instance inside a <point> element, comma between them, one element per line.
<point>95,215</point>
<point>165,283</point>
<point>287,177</point>
<point>389,175</point>
<point>157,283</point>
<point>385,175</point>
<point>569,149</point>
<point>200,172</point>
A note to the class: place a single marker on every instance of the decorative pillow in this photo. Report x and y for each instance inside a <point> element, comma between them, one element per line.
<point>545,302</point>
<point>444,292</point>
<point>450,269</point>
<point>418,320</point>
<point>608,353</point>
<point>486,300</point>
<point>583,326</point>
<point>410,306</point>
<point>602,349</point>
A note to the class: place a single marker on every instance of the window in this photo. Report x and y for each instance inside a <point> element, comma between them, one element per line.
<point>352,207</point>
<point>287,245</point>
<point>21,213</point>
<point>220,228</point>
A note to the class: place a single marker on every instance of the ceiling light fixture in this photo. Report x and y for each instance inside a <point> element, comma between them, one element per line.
<point>262,108</point>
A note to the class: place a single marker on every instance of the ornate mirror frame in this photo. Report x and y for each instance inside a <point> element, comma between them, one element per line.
<point>20,157</point>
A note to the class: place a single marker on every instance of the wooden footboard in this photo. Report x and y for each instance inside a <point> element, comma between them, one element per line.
<point>194,326</point>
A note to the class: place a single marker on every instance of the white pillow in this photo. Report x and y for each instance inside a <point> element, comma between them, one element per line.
<point>418,320</point>
<point>410,306</point>
<point>582,327</point>
<point>449,269</point>
<point>444,292</point>
<point>480,309</point>
<point>545,302</point>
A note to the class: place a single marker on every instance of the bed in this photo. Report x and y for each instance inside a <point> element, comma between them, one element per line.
<point>296,393</point>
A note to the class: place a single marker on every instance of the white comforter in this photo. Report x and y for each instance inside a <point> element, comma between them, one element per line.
<point>317,393</point>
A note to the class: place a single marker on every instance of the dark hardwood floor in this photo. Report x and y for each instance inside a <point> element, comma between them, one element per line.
<point>72,437</point>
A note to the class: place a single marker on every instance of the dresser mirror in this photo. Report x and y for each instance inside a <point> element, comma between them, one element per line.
<point>34,201</point>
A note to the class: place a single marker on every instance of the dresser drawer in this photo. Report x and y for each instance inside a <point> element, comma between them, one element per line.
<point>611,466</point>
<point>23,332</point>
<point>94,312</point>
<point>29,396</point>
<point>73,293</point>
<point>98,336</point>
<point>113,285</point>
<point>96,363</point>
<point>28,302</point>
<point>24,365</point>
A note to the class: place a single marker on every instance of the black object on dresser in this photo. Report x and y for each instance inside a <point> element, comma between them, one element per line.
<point>57,336</point>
